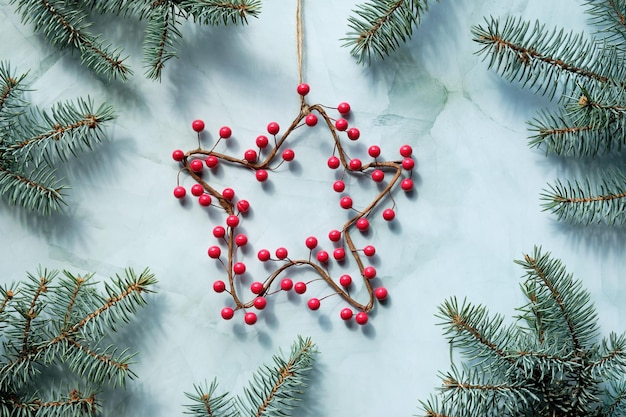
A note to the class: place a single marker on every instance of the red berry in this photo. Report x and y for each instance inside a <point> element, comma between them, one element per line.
<point>228,193</point>
<point>260,303</point>
<point>355,164</point>
<point>243,206</point>
<point>273,128</point>
<point>345,280</point>
<point>341,124</point>
<point>389,214</point>
<point>211,161</point>
<point>408,164</point>
<point>214,252</point>
<point>353,133</point>
<point>256,287</point>
<point>380,293</point>
<point>311,242</point>
<point>362,224</point>
<point>346,314</point>
<point>334,235</point>
<point>322,256</point>
<point>314,303</point>
<point>205,200</point>
<point>281,253</point>
<point>261,175</point>
<point>219,286</point>
<point>343,108</point>
<point>227,313</point>
<point>197,190</point>
<point>345,202</point>
<point>299,287</point>
<point>262,141</point>
<point>288,155</point>
<point>232,221</point>
<point>369,272</point>
<point>286,284</point>
<point>180,192</point>
<point>303,89</point>
<point>239,268</point>
<point>369,250</point>
<point>250,318</point>
<point>264,255</point>
<point>225,132</point>
<point>374,151</point>
<point>407,184</point>
<point>339,186</point>
<point>197,125</point>
<point>250,155</point>
<point>219,232</point>
<point>310,120</point>
<point>178,155</point>
<point>196,165</point>
<point>333,162</point>
<point>406,151</point>
<point>378,175</point>
<point>241,240</point>
<point>339,254</point>
<point>361,318</point>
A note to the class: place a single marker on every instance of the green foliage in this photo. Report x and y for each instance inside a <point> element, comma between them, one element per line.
<point>548,363</point>
<point>66,24</point>
<point>33,140</point>
<point>588,76</point>
<point>274,390</point>
<point>50,322</point>
<point>378,27</point>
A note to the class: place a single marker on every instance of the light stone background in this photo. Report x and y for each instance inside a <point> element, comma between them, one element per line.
<point>476,207</point>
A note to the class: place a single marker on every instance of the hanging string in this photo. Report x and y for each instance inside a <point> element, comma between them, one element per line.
<point>299,39</point>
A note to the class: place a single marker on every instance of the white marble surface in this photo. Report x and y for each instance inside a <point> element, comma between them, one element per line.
<point>476,206</point>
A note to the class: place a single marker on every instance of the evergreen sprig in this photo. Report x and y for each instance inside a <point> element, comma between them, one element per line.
<point>588,76</point>
<point>378,27</point>
<point>274,390</point>
<point>548,363</point>
<point>33,140</point>
<point>50,322</point>
<point>66,24</point>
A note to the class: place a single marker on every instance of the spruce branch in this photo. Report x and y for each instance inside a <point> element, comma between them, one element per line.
<point>43,327</point>
<point>588,202</point>
<point>274,389</point>
<point>32,141</point>
<point>554,366</point>
<point>546,61</point>
<point>378,27</point>
<point>216,12</point>
<point>588,76</point>
<point>66,24</point>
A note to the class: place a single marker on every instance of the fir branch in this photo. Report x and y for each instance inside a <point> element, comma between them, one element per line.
<point>378,27</point>
<point>582,201</point>
<point>216,12</point>
<point>65,27</point>
<point>74,404</point>
<point>544,61</point>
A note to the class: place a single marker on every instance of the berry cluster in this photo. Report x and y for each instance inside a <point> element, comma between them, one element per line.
<point>262,160</point>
